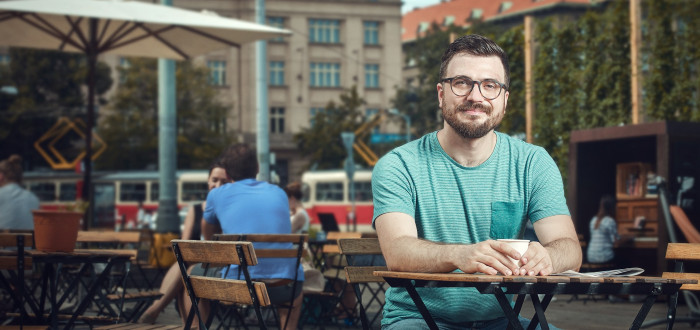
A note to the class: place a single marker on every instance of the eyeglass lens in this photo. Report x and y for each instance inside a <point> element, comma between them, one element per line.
<point>461,86</point>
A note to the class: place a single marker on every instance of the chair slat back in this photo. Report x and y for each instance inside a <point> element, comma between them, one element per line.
<point>689,231</point>
<point>10,239</point>
<point>233,291</point>
<point>336,235</point>
<point>359,246</point>
<point>293,252</point>
<point>214,252</point>
<point>680,252</point>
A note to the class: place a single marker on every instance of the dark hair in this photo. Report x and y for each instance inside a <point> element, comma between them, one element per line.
<point>12,168</point>
<point>217,163</point>
<point>474,44</point>
<point>240,162</point>
<point>606,208</point>
<point>293,190</point>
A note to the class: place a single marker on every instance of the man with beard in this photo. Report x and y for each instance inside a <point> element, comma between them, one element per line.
<point>440,202</point>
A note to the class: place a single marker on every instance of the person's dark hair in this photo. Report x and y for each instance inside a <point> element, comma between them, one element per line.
<point>12,168</point>
<point>606,208</point>
<point>216,163</point>
<point>477,45</point>
<point>294,190</point>
<point>240,162</point>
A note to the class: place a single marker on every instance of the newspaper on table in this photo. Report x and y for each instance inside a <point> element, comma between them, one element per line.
<point>605,273</point>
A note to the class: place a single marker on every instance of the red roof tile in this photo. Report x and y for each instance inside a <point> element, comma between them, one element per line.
<point>459,11</point>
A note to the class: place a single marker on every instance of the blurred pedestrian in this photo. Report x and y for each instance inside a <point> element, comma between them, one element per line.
<point>16,203</point>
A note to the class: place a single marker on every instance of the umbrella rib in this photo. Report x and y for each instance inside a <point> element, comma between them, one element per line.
<point>49,29</point>
<point>156,35</point>
<point>104,30</point>
<point>210,36</point>
<point>75,28</point>
<point>117,36</point>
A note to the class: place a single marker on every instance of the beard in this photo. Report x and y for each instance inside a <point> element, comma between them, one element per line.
<point>471,129</point>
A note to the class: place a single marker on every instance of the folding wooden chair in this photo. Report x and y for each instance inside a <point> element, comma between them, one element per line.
<point>216,253</point>
<point>129,240</point>
<point>292,246</point>
<point>15,260</point>
<point>364,256</point>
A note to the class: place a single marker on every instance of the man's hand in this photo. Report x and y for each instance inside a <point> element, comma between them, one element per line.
<point>536,261</point>
<point>490,257</point>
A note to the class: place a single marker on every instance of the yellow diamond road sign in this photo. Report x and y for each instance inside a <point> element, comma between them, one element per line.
<point>57,134</point>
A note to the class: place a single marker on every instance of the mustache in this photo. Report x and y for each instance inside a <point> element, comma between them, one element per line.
<point>469,105</point>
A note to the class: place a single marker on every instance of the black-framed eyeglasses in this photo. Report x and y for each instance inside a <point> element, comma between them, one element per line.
<point>462,86</point>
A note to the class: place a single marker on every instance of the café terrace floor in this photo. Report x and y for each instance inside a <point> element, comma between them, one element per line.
<point>577,314</point>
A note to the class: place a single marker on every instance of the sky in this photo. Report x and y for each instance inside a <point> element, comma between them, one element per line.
<point>408,5</point>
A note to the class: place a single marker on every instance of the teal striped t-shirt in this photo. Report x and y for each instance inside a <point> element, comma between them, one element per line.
<point>452,203</point>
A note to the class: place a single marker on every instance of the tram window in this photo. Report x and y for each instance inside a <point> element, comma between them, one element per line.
<point>194,191</point>
<point>363,191</point>
<point>67,191</point>
<point>329,191</point>
<point>132,192</point>
<point>154,191</point>
<point>45,191</point>
<point>305,192</point>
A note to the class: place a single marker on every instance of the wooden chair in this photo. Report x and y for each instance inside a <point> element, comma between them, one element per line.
<point>217,253</point>
<point>129,240</point>
<point>15,260</point>
<point>681,253</point>
<point>294,250</point>
<point>364,256</point>
<point>687,228</point>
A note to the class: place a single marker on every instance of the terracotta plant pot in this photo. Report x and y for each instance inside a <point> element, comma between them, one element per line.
<point>56,231</point>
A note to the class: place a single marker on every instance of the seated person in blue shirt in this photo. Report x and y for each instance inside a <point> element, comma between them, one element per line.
<point>249,206</point>
<point>440,202</point>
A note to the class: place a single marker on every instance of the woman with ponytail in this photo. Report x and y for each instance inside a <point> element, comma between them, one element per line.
<point>603,233</point>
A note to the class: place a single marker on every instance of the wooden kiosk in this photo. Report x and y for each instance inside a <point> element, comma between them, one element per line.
<point>617,160</point>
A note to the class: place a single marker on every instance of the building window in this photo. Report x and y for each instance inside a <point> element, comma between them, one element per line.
<point>277,120</point>
<point>371,32</point>
<point>217,73</point>
<point>312,114</point>
<point>372,75</point>
<point>4,59</point>
<point>505,6</point>
<point>276,72</point>
<point>277,22</point>
<point>476,14</point>
<point>324,74</point>
<point>324,31</point>
<point>449,20</point>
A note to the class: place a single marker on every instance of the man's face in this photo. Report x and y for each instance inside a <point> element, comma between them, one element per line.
<point>472,116</point>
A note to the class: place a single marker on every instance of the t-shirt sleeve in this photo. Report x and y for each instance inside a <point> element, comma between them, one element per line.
<point>547,189</point>
<point>209,214</point>
<point>391,187</point>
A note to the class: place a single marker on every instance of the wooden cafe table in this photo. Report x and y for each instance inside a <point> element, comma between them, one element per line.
<point>522,286</point>
<point>85,259</point>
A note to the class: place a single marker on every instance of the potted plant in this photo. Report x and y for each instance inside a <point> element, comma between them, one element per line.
<point>57,230</point>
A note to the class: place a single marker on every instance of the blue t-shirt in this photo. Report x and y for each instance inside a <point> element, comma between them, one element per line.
<point>452,203</point>
<point>254,207</point>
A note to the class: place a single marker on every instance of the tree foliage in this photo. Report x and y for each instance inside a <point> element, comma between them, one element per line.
<point>130,127</point>
<point>321,141</point>
<point>49,85</point>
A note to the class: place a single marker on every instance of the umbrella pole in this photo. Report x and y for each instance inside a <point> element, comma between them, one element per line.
<point>88,193</point>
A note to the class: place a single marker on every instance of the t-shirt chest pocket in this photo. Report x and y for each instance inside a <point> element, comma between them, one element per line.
<point>506,219</point>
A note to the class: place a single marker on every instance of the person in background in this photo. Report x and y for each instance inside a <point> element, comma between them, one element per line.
<point>299,218</point>
<point>249,206</point>
<point>603,233</point>
<point>141,220</point>
<point>172,286</point>
<point>441,201</point>
<point>16,203</point>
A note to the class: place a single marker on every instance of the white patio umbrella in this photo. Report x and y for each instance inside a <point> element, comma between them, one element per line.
<point>128,28</point>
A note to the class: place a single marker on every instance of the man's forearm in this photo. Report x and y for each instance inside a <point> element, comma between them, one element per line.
<point>410,254</point>
<point>565,254</point>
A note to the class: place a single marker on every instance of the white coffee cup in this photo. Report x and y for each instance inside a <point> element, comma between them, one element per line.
<point>518,244</point>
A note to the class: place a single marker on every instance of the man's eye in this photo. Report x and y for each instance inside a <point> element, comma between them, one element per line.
<point>462,82</point>
<point>489,85</point>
